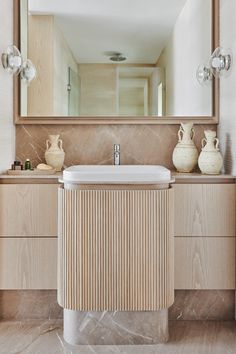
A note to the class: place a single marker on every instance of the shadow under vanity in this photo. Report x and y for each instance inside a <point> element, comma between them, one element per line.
<point>204,241</point>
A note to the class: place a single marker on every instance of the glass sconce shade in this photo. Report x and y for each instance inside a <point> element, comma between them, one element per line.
<point>221,62</point>
<point>204,74</point>
<point>12,60</point>
<point>28,71</point>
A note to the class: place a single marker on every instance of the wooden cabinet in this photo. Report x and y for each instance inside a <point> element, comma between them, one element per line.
<point>205,263</point>
<point>28,263</point>
<point>28,236</point>
<point>205,210</point>
<point>28,210</point>
<point>204,236</point>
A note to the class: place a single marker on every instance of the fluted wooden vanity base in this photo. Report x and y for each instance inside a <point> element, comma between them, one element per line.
<point>115,250</point>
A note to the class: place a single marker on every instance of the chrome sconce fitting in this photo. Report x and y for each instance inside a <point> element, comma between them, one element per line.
<point>13,62</point>
<point>218,65</point>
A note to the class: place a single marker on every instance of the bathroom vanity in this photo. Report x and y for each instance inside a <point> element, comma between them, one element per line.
<point>204,230</point>
<point>204,243</point>
<point>116,250</point>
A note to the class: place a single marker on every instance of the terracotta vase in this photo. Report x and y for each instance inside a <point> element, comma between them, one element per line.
<point>54,154</point>
<point>210,160</point>
<point>185,154</point>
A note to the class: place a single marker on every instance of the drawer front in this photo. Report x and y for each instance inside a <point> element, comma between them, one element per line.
<point>205,263</point>
<point>204,210</point>
<point>28,210</point>
<point>28,263</point>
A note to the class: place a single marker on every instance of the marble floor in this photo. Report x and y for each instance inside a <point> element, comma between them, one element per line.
<point>186,337</point>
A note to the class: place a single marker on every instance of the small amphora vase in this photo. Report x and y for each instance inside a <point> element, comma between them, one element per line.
<point>210,160</point>
<point>185,154</point>
<point>54,154</point>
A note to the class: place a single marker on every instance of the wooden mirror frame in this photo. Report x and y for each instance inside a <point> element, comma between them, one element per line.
<point>18,119</point>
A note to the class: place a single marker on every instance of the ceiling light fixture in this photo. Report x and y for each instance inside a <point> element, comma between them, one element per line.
<point>117,57</point>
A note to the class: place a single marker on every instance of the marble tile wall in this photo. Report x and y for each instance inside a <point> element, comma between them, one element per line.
<point>188,305</point>
<point>140,144</point>
<point>29,304</point>
<point>203,305</point>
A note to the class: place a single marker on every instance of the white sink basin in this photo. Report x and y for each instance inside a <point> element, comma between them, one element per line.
<point>124,174</point>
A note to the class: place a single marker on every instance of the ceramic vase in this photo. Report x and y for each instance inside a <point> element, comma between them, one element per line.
<point>54,154</point>
<point>210,160</point>
<point>185,154</point>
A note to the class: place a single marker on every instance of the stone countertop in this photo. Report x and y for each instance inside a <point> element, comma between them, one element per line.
<point>44,176</point>
<point>179,177</point>
<point>200,178</point>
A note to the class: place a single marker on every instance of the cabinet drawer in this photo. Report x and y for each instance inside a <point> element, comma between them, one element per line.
<point>28,263</point>
<point>205,263</point>
<point>204,210</point>
<point>28,210</point>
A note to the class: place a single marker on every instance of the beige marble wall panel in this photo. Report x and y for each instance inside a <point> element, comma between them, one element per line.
<point>93,144</point>
<point>188,305</point>
<point>29,304</point>
<point>203,305</point>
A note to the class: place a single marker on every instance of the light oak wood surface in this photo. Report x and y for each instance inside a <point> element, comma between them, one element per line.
<point>205,210</point>
<point>116,250</point>
<point>28,263</point>
<point>28,210</point>
<point>40,51</point>
<point>205,263</point>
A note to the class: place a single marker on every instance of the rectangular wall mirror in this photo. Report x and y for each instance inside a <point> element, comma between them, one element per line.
<point>133,61</point>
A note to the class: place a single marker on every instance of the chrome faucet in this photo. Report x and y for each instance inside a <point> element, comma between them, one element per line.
<point>116,154</point>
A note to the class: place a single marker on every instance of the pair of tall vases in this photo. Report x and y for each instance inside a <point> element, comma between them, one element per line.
<point>185,154</point>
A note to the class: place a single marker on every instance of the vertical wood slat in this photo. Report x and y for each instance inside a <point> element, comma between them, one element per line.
<point>116,250</point>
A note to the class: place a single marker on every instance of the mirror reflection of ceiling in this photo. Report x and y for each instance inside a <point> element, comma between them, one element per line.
<point>138,28</point>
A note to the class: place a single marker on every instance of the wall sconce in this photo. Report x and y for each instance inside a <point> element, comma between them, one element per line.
<point>204,74</point>
<point>221,62</point>
<point>219,65</point>
<point>13,62</point>
<point>28,72</point>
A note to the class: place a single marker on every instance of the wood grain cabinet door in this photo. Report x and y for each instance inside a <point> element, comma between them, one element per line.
<point>204,210</point>
<point>205,263</point>
<point>28,263</point>
<point>28,210</point>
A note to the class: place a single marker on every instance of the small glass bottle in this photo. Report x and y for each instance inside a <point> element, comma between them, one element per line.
<point>27,164</point>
